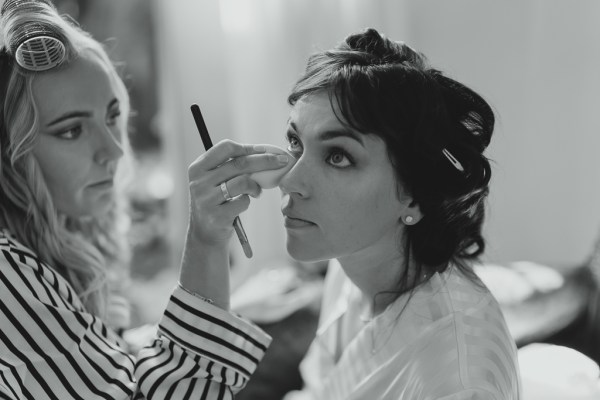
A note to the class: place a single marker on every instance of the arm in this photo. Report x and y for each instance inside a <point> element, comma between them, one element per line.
<point>52,347</point>
<point>49,345</point>
<point>201,349</point>
<point>205,262</point>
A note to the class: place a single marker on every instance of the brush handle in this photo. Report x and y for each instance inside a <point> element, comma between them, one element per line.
<point>207,142</point>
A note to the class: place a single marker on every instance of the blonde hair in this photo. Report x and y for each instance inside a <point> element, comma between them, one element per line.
<point>86,252</point>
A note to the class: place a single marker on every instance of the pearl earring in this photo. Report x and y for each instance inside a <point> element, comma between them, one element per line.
<point>409,219</point>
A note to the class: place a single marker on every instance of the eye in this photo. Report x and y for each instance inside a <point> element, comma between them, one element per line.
<point>113,116</point>
<point>70,133</point>
<point>294,145</point>
<point>339,159</point>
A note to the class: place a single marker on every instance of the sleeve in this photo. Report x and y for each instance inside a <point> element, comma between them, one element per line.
<point>51,348</point>
<point>201,351</point>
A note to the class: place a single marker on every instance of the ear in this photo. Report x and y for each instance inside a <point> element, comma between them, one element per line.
<point>412,212</point>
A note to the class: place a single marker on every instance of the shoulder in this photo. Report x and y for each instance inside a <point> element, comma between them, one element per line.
<point>15,258</point>
<point>9,243</point>
<point>478,320</point>
<point>25,277</point>
<point>467,357</point>
<point>469,349</point>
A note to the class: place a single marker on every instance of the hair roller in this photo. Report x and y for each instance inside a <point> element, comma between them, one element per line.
<point>36,46</point>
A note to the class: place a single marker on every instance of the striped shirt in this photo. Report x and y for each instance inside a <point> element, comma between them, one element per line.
<point>449,341</point>
<point>51,348</point>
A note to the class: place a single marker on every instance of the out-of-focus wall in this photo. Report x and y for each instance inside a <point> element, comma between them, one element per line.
<point>536,62</point>
<point>192,69</point>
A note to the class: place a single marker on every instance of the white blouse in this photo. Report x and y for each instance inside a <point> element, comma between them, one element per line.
<point>450,342</point>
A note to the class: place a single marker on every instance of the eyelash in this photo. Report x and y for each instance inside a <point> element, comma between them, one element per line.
<point>289,137</point>
<point>77,129</point>
<point>113,116</point>
<point>337,150</point>
<point>331,152</point>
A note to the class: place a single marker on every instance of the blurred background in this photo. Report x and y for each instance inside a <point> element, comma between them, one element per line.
<point>535,61</point>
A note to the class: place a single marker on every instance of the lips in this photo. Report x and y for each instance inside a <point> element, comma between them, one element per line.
<point>293,220</point>
<point>104,182</point>
<point>296,223</point>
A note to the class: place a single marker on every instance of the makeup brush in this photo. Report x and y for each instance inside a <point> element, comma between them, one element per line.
<point>206,140</point>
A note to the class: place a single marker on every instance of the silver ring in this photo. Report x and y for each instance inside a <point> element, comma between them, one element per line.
<point>225,192</point>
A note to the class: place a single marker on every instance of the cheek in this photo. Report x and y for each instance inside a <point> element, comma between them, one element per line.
<point>364,213</point>
<point>386,207</point>
<point>64,192</point>
<point>344,216</point>
<point>64,175</point>
<point>58,176</point>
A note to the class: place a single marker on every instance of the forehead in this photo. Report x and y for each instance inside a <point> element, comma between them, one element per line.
<point>316,114</point>
<point>83,83</point>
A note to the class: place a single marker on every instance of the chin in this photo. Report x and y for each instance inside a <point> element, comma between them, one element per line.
<point>306,253</point>
<point>97,209</point>
<point>100,210</point>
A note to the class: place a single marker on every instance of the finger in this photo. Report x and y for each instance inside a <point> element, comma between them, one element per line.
<point>236,167</point>
<point>238,185</point>
<point>224,215</point>
<point>226,150</point>
<point>208,204</point>
<point>246,165</point>
<point>215,222</point>
<point>236,206</point>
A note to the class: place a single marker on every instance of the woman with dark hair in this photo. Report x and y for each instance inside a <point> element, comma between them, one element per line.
<point>390,183</point>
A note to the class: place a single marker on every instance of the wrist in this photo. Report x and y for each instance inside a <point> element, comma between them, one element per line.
<point>205,271</point>
<point>199,237</point>
<point>205,299</point>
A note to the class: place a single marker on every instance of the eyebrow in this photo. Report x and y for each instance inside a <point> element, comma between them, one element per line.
<point>79,114</point>
<point>69,115</point>
<point>336,133</point>
<point>112,103</point>
<point>329,135</point>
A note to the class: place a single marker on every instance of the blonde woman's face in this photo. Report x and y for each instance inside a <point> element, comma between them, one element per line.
<point>79,143</point>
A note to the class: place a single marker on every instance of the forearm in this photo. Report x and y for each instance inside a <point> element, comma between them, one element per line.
<point>205,269</point>
<point>220,190</point>
<point>203,350</point>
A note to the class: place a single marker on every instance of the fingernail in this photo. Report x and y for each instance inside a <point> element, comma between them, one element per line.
<point>282,158</point>
<point>260,148</point>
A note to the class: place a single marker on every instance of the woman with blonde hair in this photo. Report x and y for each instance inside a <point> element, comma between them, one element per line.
<point>63,153</point>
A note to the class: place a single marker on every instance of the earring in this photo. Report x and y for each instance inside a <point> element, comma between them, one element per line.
<point>408,219</point>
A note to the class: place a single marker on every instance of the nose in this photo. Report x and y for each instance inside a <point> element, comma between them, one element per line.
<point>108,145</point>
<point>295,181</point>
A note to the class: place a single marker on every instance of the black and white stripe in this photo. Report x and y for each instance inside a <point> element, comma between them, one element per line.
<point>51,348</point>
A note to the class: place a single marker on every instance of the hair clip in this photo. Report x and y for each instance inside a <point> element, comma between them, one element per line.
<point>453,160</point>
<point>36,46</point>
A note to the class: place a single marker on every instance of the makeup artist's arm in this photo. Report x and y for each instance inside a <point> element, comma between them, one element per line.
<point>205,261</point>
<point>218,349</point>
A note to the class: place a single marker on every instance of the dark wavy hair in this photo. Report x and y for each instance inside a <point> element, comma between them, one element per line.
<point>388,89</point>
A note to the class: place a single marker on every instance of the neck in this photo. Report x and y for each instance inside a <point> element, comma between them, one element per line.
<point>377,270</point>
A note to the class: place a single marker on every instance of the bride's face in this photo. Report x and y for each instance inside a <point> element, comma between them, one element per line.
<point>342,196</point>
